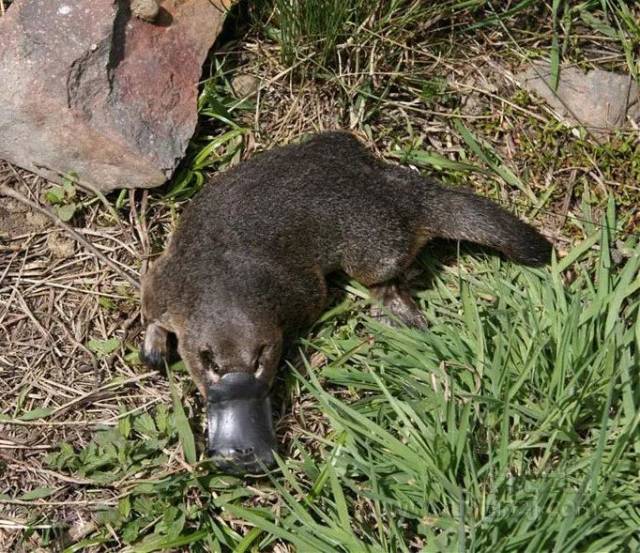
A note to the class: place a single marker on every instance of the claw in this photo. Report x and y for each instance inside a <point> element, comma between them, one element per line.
<point>154,358</point>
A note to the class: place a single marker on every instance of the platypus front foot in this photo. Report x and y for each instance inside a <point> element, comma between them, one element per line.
<point>154,348</point>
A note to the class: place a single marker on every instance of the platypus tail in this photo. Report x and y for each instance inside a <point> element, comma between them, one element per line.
<point>462,215</point>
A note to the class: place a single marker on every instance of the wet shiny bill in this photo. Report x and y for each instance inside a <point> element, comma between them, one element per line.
<point>240,435</point>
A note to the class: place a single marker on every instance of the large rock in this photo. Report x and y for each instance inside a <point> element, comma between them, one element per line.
<point>87,88</point>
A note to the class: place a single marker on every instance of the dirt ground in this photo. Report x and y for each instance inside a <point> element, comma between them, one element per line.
<point>61,304</point>
<point>55,297</point>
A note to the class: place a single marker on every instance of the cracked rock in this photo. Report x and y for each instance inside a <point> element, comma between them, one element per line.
<point>88,89</point>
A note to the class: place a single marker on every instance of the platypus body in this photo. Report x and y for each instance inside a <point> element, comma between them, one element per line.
<point>246,268</point>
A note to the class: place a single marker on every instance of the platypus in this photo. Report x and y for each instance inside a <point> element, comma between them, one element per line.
<point>245,270</point>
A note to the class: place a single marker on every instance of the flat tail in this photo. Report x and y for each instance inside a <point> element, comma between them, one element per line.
<point>462,215</point>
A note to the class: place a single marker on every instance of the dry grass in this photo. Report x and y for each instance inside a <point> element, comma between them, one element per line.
<point>53,294</point>
<point>56,296</point>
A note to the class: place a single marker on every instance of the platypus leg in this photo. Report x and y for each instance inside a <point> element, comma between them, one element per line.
<point>382,271</point>
<point>154,348</point>
<point>395,305</point>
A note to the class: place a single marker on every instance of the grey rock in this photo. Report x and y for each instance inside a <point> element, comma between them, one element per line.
<point>600,101</point>
<point>88,89</point>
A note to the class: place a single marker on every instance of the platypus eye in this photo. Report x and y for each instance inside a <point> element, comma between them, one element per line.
<point>211,369</point>
<point>258,361</point>
<point>206,356</point>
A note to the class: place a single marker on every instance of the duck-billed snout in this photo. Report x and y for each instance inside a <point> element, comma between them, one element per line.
<point>240,436</point>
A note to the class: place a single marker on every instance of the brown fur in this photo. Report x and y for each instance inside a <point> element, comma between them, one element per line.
<point>246,267</point>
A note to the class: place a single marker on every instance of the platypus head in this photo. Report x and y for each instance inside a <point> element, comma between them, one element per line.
<point>234,358</point>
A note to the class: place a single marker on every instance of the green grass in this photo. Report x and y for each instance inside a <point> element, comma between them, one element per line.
<point>219,142</point>
<point>510,425</point>
<point>316,31</point>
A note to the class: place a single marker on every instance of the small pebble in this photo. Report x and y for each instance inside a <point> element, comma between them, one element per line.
<point>244,84</point>
<point>146,10</point>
